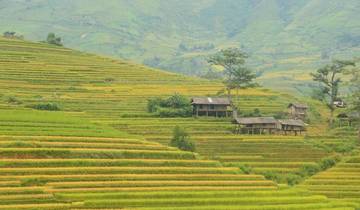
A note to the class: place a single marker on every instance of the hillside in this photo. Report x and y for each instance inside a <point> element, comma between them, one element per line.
<point>104,151</point>
<point>285,39</point>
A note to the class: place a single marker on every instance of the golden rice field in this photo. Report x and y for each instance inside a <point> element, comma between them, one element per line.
<point>104,151</point>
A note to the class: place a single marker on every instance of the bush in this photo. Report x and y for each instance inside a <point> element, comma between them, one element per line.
<point>171,112</point>
<point>174,106</point>
<point>154,103</point>
<point>273,176</point>
<point>246,169</point>
<point>293,179</point>
<point>52,39</point>
<point>46,106</point>
<point>309,170</point>
<point>328,162</point>
<point>181,140</point>
<point>13,100</point>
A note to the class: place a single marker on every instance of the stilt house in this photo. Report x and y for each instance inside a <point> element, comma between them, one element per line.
<point>347,119</point>
<point>291,125</point>
<point>298,111</point>
<point>252,125</point>
<point>209,106</point>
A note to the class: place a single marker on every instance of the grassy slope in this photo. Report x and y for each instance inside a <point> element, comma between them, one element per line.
<point>76,159</point>
<point>300,31</point>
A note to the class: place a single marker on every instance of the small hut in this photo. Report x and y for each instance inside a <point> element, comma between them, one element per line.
<point>291,125</point>
<point>216,107</point>
<point>339,103</point>
<point>298,111</point>
<point>252,125</point>
<point>347,119</point>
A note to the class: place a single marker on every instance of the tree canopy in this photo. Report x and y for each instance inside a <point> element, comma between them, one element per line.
<point>236,75</point>
<point>181,140</point>
<point>330,78</point>
<point>53,39</point>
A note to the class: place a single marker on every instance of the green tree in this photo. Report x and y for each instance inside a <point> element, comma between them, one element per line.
<point>52,39</point>
<point>355,89</point>
<point>181,140</point>
<point>330,78</point>
<point>237,76</point>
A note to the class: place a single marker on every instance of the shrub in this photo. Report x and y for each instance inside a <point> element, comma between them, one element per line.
<point>46,106</point>
<point>309,170</point>
<point>153,104</point>
<point>174,106</point>
<point>13,100</point>
<point>181,140</point>
<point>293,179</point>
<point>171,112</point>
<point>33,182</point>
<point>246,169</point>
<point>273,176</point>
<point>328,162</point>
<point>52,39</point>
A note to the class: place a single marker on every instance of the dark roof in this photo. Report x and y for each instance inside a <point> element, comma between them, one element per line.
<point>351,115</point>
<point>256,120</point>
<point>297,105</point>
<point>210,100</point>
<point>292,122</point>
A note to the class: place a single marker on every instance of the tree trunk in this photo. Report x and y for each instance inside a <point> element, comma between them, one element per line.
<point>331,117</point>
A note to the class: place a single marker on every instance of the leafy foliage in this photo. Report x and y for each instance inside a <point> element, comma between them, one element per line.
<point>236,75</point>
<point>46,106</point>
<point>330,78</point>
<point>12,35</point>
<point>14,100</point>
<point>174,106</point>
<point>181,140</point>
<point>54,40</point>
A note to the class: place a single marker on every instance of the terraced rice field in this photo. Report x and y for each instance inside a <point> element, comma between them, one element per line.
<point>214,139</point>
<point>341,182</point>
<point>103,151</point>
<point>119,171</point>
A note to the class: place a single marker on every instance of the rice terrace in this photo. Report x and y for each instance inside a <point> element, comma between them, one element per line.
<point>174,105</point>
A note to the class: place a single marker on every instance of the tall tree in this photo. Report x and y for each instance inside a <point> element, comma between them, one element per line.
<point>355,92</point>
<point>330,78</point>
<point>236,75</point>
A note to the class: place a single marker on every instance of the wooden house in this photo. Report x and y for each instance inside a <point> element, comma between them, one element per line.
<point>298,111</point>
<point>291,125</point>
<point>347,119</point>
<point>210,106</point>
<point>252,125</point>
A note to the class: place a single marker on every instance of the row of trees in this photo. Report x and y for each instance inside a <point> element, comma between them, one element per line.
<point>50,39</point>
<point>12,35</point>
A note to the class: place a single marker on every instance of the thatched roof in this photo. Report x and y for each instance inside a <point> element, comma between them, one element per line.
<point>210,100</point>
<point>298,105</point>
<point>256,120</point>
<point>292,122</point>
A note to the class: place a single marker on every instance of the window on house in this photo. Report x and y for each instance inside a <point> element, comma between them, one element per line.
<point>212,106</point>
